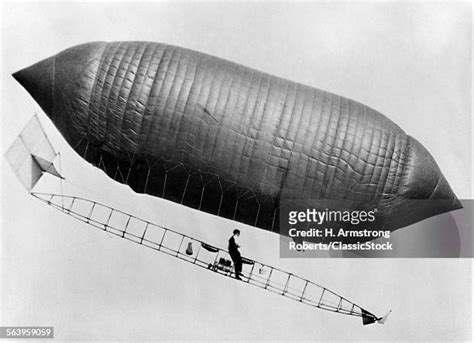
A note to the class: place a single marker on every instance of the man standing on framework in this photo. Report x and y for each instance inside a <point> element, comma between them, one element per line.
<point>235,253</point>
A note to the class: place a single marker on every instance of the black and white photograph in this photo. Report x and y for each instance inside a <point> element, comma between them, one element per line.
<point>236,171</point>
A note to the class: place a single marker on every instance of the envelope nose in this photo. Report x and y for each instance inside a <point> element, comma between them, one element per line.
<point>425,184</point>
<point>38,81</point>
<point>63,79</point>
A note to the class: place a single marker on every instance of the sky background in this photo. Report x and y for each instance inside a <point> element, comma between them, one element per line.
<point>410,61</point>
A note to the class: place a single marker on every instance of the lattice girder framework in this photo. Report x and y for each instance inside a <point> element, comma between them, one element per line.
<point>202,254</point>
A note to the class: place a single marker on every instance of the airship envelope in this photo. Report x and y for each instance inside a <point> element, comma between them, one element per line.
<point>229,140</point>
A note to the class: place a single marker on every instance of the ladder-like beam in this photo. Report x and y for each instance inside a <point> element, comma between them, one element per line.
<point>210,257</point>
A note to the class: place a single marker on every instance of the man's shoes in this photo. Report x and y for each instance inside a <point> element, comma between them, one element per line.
<point>238,278</point>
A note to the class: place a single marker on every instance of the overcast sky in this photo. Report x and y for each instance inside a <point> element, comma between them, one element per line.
<point>410,61</point>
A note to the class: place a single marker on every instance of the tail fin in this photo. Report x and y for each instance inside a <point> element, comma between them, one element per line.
<point>383,319</point>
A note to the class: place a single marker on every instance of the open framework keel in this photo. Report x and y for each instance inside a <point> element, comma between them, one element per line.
<point>31,155</point>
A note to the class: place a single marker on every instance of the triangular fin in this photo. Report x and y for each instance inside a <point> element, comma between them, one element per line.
<point>46,166</point>
<point>368,318</point>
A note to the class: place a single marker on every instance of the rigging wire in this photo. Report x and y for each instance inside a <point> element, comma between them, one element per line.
<point>319,297</point>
